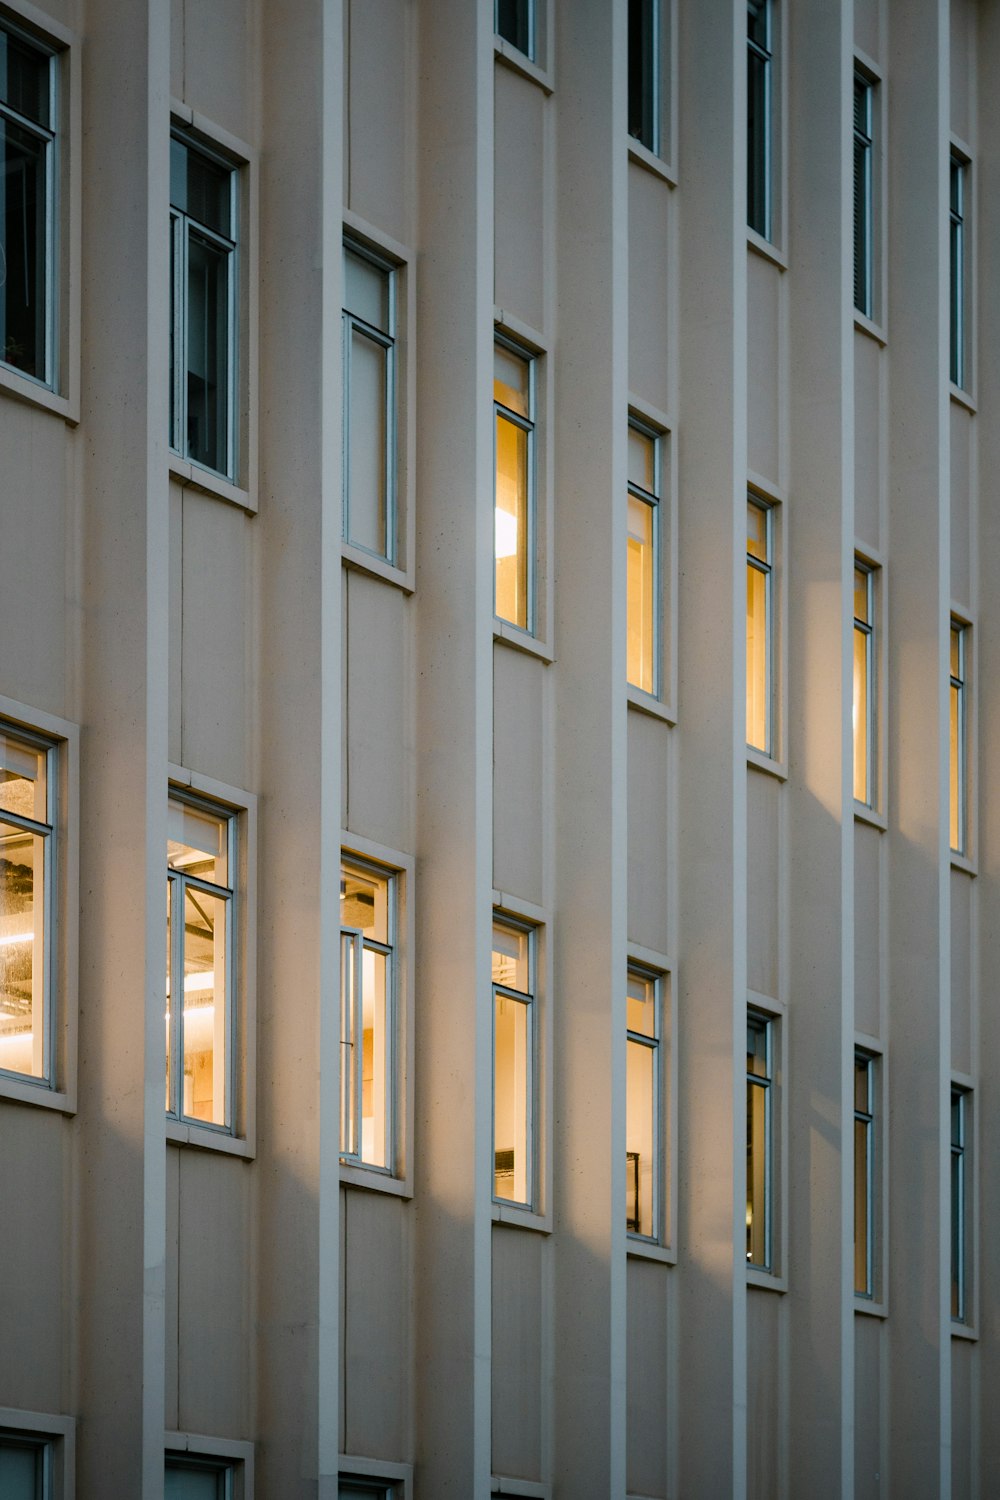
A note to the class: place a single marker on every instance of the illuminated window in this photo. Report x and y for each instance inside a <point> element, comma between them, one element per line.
<point>959,279</point>
<point>369,402</point>
<point>961,1246</point>
<point>864,1174</point>
<point>643,1106</point>
<point>514,499</point>
<point>201,947</point>
<point>760,613</point>
<point>190,1478</point>
<point>760,1110</point>
<point>29,171</point>
<point>514,20</point>
<point>513,1062</point>
<point>367,946</point>
<point>643,562</point>
<point>203,305</point>
<point>27,886</point>
<point>644,72</point>
<point>760,63</point>
<point>863,708</point>
<point>864,195</point>
<point>958,714</point>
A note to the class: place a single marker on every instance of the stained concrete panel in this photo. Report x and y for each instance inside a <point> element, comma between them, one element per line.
<point>519,824</point>
<point>868,922</point>
<point>175,743</point>
<point>517,1352</point>
<point>869,440</point>
<point>172,1287</point>
<point>964,1400</point>
<point>220,63</point>
<point>961,504</point>
<point>35,1242</point>
<point>962,896</point>
<point>866,27</point>
<point>376,1324</point>
<point>379,100</point>
<point>962,19</point>
<point>519,198</point>
<point>763,1393</point>
<point>647,1378</point>
<point>649,270</point>
<point>869,1460</point>
<point>764,367</point>
<point>379,737</point>
<point>763,881</point>
<point>649,746</point>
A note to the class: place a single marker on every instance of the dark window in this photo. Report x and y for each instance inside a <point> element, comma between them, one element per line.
<point>759,61</point>
<point>27,171</point>
<point>863,257</point>
<point>643,72</point>
<point>512,19</point>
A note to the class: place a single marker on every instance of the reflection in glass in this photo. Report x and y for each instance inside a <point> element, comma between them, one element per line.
<point>512,1064</point>
<point>513,540</point>
<point>758,1215</point>
<point>758,627</point>
<point>862,710</point>
<point>642,1178</point>
<point>957,740</point>
<point>25,852</point>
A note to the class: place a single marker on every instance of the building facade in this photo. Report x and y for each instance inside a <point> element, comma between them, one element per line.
<point>500,493</point>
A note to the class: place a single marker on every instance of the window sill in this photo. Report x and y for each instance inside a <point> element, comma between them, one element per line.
<point>374,1181</point>
<point>867,1307</point>
<point>507,54</point>
<point>764,248</point>
<point>211,484</point>
<point>23,388</point>
<point>520,640</point>
<point>361,561</point>
<point>22,1091</point>
<point>766,1281</point>
<point>964,863</point>
<point>767,764</point>
<point>529,1489</point>
<point>645,703</point>
<point>183,1133</point>
<point>521,1218</point>
<point>640,1249</point>
<point>963,398</point>
<point>864,324</point>
<point>644,157</point>
<point>967,1331</point>
<point>869,815</point>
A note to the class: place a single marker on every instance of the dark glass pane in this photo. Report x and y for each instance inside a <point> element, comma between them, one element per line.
<point>24,78</point>
<point>957,1269</point>
<point>757,204</point>
<point>862,290</point>
<point>956,303</point>
<point>641,74</point>
<point>956,187</point>
<point>207,354</point>
<point>201,188</point>
<point>861,92</point>
<point>512,24</point>
<point>757,22</point>
<point>22,250</point>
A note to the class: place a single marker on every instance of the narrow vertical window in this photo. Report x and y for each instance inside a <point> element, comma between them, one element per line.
<point>644,72</point>
<point>643,1106</point>
<point>201,953</point>
<point>514,20</point>
<point>863,196</point>
<point>514,523</point>
<point>29,174</point>
<point>369,403</point>
<point>27,857</point>
<point>957,279</point>
<point>958,715</point>
<point>513,1063</point>
<point>643,584</point>
<point>760,610</point>
<point>760,61</point>
<point>367,944</point>
<point>863,706</point>
<point>864,1174</point>
<point>959,1205</point>
<point>760,1082</point>
<point>203,296</point>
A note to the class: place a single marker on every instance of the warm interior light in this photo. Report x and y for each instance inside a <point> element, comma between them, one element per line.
<point>505,533</point>
<point>16,937</point>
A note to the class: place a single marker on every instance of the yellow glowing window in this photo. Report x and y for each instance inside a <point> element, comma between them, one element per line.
<point>513,1062</point>
<point>759,1148</point>
<point>863,706</point>
<point>759,627</point>
<point>958,758</point>
<point>201,853</point>
<point>367,921</point>
<point>642,591</point>
<point>26,859</point>
<point>513,406</point>
<point>642,1106</point>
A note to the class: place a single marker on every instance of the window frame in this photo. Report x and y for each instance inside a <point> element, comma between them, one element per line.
<point>871,1298</point>
<point>56,1435</point>
<point>230,1455</point>
<point>869,630</point>
<point>655,501</point>
<point>866,255</point>
<point>962,1233</point>
<point>60,741</point>
<point>770,754</point>
<point>531,8</point>
<point>530,631</point>
<point>504,918</point>
<point>389,342</point>
<point>396,1479</point>
<point>664,1134</point>
<point>760,133</point>
<point>959,767</point>
<point>650,51</point>
<point>240,807</point>
<point>765,1022</point>
<point>389,950</point>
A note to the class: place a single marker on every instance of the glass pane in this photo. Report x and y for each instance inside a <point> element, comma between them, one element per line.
<point>351,1491</point>
<point>640,1138</point>
<point>511,1093</point>
<point>510,959</point>
<point>364,902</point>
<point>956,1120</point>
<point>511,523</point>
<point>862,1091</point>
<point>23,251</point>
<point>955,769</point>
<point>207,354</point>
<point>862,275</point>
<point>641,461</point>
<point>757,1207</point>
<point>21,1469</point>
<point>641,596</point>
<point>956,653</point>
<point>957,1235</point>
<point>197,843</point>
<point>862,94</point>
<point>348,1069</point>
<point>24,78</point>
<point>22,780</point>
<point>375,1060</point>
<point>757,1048</point>
<point>757,532</point>
<point>168,1017</point>
<point>22,952</point>
<point>862,1226</point>
<point>511,384</point>
<point>641,1005</point>
<point>757,22</point>
<point>757,132</point>
<point>513,24</point>
<point>861,716</point>
<point>642,72</point>
<point>758,651</point>
<point>201,188</point>
<point>205,1020</point>
<point>956,300</point>
<point>193,1482</point>
<point>367,480</point>
<point>366,290</point>
<point>862,601</point>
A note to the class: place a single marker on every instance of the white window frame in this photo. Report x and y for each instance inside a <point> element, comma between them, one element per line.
<point>870,631</point>
<point>230,1455</point>
<point>772,1013</point>
<point>663,1125</point>
<point>57,1434</point>
<point>872,1299</point>
<point>221,800</point>
<point>867,258</point>
<point>59,392</point>
<point>528,425</point>
<point>529,999</point>
<point>396,1478</point>
<point>768,754</point>
<point>960,683</point>
<point>388,342</point>
<point>398,1178</point>
<point>61,742</point>
<point>531,51</point>
<point>653,58</point>
<point>960,172</point>
<point>656,502</point>
<point>352,1020</point>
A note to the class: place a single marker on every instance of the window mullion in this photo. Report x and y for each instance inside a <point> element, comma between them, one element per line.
<point>358,1059</point>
